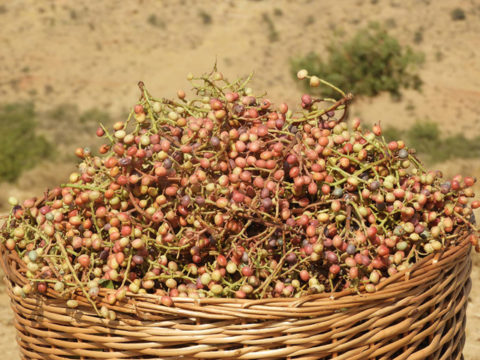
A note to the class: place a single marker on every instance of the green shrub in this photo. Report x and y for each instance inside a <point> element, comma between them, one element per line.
<point>310,20</point>
<point>439,55</point>
<point>62,113</point>
<point>272,30</point>
<point>418,36</point>
<point>426,138</point>
<point>390,23</point>
<point>20,146</point>
<point>206,17</point>
<point>90,119</point>
<point>391,133</point>
<point>368,64</point>
<point>67,119</point>
<point>278,12</point>
<point>154,20</point>
<point>457,14</point>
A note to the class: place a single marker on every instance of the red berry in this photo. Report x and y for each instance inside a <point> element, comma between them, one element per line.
<point>306,99</point>
<point>84,260</point>
<point>247,271</point>
<point>221,260</point>
<point>138,109</point>
<point>166,301</point>
<point>377,130</point>
<point>304,275</point>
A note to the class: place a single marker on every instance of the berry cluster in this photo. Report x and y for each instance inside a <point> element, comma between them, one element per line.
<point>227,195</point>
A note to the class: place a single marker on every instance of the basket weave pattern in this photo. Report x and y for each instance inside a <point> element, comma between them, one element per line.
<point>419,314</point>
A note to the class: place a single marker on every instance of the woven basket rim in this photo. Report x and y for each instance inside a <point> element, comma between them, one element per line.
<point>419,273</point>
<point>419,314</point>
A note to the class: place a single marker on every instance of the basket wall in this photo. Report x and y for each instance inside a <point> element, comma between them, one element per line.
<point>419,314</point>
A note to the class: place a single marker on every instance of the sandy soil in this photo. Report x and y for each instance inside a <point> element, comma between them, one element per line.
<point>92,54</point>
<point>8,345</point>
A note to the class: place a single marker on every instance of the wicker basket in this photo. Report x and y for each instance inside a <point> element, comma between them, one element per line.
<point>419,314</point>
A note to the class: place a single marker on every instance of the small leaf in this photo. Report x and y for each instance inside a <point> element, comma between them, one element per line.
<point>108,284</point>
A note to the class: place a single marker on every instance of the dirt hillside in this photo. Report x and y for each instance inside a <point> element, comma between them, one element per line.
<point>92,54</point>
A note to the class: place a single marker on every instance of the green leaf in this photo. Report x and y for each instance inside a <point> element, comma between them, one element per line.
<point>108,284</point>
<point>369,63</point>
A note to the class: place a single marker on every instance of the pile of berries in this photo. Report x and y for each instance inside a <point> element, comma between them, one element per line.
<point>227,194</point>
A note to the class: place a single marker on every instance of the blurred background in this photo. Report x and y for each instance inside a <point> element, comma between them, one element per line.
<point>413,66</point>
